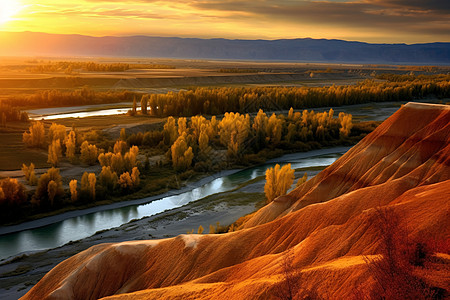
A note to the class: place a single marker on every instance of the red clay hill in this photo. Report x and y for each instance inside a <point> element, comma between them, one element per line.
<point>375,223</point>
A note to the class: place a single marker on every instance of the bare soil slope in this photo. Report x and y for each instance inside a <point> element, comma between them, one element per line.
<point>327,227</point>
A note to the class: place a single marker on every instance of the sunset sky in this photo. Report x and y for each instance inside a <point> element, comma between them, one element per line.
<point>385,21</point>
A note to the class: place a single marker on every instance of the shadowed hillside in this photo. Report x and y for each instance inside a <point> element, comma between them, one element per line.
<point>329,238</point>
<point>313,50</point>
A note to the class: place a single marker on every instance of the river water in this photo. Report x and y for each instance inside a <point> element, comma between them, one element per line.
<point>374,111</point>
<point>76,228</point>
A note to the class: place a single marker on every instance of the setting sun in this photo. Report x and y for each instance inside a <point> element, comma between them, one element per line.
<point>8,9</point>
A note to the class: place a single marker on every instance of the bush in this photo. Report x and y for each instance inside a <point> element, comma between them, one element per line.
<point>394,273</point>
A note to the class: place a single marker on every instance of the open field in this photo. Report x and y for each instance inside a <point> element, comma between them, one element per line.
<point>17,79</point>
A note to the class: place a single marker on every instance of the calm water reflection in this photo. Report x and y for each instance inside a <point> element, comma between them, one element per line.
<point>80,227</point>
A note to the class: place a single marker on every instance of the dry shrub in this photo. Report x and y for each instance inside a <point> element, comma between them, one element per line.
<point>394,274</point>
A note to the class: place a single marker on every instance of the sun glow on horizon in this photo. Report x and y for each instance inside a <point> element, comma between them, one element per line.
<point>8,9</point>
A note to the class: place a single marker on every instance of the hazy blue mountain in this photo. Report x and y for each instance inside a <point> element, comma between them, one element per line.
<point>310,50</point>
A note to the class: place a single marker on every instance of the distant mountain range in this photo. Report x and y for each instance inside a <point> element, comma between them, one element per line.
<point>303,50</point>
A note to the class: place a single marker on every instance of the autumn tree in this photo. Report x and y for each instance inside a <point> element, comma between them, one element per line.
<point>182,155</point>
<point>273,129</point>
<point>89,153</point>
<point>203,144</point>
<point>29,174</point>
<point>84,188</point>
<point>54,152</point>
<point>135,177</point>
<point>233,131</point>
<point>123,134</point>
<point>108,179</point>
<point>45,195</point>
<point>259,126</point>
<point>144,104</point>
<point>346,124</point>
<point>56,132</point>
<point>120,147</point>
<point>130,158</point>
<point>52,189</point>
<point>36,136</point>
<point>88,181</point>
<point>125,181</point>
<point>278,181</point>
<point>73,190</point>
<point>12,192</point>
<point>182,125</point>
<point>92,180</point>
<point>170,131</point>
<point>71,145</point>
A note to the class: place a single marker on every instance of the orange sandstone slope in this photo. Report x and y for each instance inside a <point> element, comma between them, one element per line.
<point>327,227</point>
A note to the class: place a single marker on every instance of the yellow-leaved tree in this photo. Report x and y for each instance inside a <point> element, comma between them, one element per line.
<point>36,136</point>
<point>346,124</point>
<point>54,152</point>
<point>170,131</point>
<point>29,173</point>
<point>233,131</point>
<point>182,155</point>
<point>56,132</point>
<point>71,145</point>
<point>73,190</point>
<point>89,153</point>
<point>278,181</point>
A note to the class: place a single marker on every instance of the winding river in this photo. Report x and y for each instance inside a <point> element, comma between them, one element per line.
<point>75,228</point>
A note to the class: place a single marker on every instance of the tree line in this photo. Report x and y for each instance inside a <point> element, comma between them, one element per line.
<point>214,101</point>
<point>9,113</point>
<point>69,66</point>
<point>54,98</point>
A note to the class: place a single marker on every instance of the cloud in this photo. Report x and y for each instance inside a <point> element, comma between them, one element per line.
<point>393,15</point>
<point>349,19</point>
<point>439,5</point>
